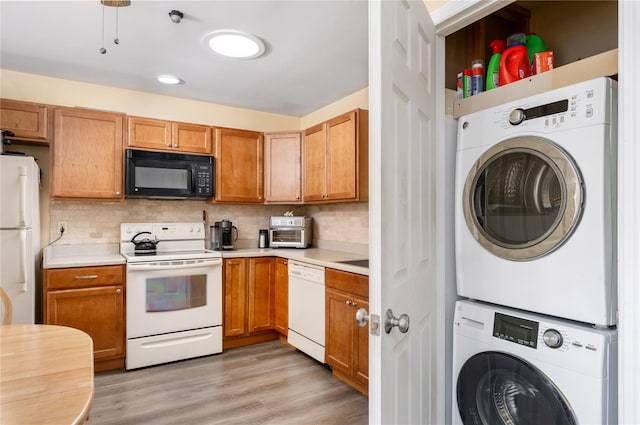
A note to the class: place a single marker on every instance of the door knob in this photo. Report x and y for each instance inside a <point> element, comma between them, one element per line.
<point>401,322</point>
<point>362,317</point>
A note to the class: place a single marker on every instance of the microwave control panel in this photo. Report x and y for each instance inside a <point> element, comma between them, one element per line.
<point>204,180</point>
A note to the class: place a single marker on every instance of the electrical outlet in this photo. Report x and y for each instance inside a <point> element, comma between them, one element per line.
<point>62,227</point>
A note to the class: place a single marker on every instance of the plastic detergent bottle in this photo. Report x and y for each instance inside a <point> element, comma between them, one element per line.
<point>497,46</point>
<point>534,45</point>
<point>514,63</point>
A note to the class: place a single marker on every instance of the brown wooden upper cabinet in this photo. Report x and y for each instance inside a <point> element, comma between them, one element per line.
<point>148,133</point>
<point>239,166</point>
<point>282,168</point>
<point>28,121</point>
<point>86,154</point>
<point>335,159</point>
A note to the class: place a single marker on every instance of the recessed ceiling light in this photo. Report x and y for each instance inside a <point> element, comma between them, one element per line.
<point>169,79</point>
<point>235,44</point>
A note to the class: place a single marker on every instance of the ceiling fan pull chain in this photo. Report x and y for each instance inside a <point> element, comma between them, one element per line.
<point>116,40</point>
<point>102,49</point>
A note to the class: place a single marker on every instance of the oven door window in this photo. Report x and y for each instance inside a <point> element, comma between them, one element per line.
<point>175,293</point>
<point>287,235</point>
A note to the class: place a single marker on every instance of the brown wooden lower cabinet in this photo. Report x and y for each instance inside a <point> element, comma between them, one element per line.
<point>347,344</point>
<point>249,301</point>
<point>281,320</point>
<point>90,299</point>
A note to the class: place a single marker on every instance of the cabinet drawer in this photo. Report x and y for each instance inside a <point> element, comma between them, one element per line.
<point>351,282</point>
<point>82,277</point>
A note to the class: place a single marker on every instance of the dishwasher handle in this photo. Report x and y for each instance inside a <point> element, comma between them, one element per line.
<point>309,272</point>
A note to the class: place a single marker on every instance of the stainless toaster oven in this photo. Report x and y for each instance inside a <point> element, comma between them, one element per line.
<point>290,232</point>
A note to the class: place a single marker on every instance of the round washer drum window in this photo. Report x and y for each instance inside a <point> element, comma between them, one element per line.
<point>523,198</point>
<point>495,388</point>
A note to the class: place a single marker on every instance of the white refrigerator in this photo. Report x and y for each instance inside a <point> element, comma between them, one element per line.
<point>19,233</point>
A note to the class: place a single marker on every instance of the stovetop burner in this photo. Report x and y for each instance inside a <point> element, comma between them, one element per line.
<point>177,241</point>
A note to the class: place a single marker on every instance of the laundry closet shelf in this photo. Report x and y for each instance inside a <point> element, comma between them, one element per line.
<point>601,65</point>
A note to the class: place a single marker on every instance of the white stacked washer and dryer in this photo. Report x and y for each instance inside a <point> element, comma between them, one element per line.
<point>535,233</point>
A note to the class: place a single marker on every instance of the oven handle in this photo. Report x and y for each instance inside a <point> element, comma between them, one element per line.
<point>173,265</point>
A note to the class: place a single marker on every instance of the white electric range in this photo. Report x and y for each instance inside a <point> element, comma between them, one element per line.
<point>174,293</point>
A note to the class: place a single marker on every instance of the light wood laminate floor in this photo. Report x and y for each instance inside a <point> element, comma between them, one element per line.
<point>265,383</point>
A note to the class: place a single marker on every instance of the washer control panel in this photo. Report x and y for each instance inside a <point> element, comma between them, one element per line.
<point>516,329</point>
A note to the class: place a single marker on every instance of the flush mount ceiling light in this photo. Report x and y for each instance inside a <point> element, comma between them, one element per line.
<point>235,44</point>
<point>169,79</point>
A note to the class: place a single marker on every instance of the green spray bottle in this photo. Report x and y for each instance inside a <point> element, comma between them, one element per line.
<point>497,46</point>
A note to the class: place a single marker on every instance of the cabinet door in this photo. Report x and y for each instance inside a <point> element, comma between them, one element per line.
<point>261,294</point>
<point>282,168</point>
<point>361,346</point>
<point>239,166</point>
<point>28,121</point>
<point>342,157</point>
<point>340,320</point>
<point>235,297</point>
<point>281,320</point>
<point>314,164</point>
<point>86,154</point>
<point>148,133</point>
<point>97,311</point>
<point>191,137</point>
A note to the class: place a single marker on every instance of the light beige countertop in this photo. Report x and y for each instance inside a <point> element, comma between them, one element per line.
<point>81,255</point>
<point>318,256</point>
<point>86,255</point>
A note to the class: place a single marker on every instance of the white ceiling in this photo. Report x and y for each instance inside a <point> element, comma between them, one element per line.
<point>316,49</point>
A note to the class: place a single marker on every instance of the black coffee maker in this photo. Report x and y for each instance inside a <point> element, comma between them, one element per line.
<point>222,237</point>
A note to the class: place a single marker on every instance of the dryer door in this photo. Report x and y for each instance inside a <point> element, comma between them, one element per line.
<point>523,198</point>
<point>497,388</point>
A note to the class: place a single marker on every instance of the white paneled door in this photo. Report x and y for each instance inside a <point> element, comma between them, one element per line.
<point>402,113</point>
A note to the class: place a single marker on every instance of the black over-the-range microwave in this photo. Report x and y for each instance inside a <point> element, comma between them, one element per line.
<point>168,175</point>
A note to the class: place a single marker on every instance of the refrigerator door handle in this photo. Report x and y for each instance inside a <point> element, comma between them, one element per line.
<point>22,285</point>
<point>22,178</point>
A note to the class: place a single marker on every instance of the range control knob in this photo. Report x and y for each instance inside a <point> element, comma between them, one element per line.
<point>552,338</point>
<point>516,116</point>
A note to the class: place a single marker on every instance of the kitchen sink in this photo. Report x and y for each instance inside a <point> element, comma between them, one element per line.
<point>359,263</point>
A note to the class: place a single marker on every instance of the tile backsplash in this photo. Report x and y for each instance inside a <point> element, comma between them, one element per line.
<point>99,221</point>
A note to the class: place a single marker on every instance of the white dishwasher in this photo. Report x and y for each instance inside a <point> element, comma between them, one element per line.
<point>306,308</point>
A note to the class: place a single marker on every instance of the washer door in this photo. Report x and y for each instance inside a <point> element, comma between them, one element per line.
<point>495,388</point>
<point>523,198</point>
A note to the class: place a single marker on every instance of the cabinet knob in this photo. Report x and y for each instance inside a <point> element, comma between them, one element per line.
<point>354,303</point>
<point>168,145</point>
<point>117,193</point>
<point>118,291</point>
<point>175,146</point>
<point>297,197</point>
<point>348,302</point>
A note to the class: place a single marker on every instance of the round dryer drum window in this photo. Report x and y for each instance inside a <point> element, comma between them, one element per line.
<point>523,198</point>
<point>495,388</point>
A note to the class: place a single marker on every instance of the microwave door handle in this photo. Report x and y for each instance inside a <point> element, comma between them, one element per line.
<point>193,179</point>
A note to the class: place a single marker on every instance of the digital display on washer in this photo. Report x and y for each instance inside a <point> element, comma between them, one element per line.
<point>548,109</point>
<point>516,329</point>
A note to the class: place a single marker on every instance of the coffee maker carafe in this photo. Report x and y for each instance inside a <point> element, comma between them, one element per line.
<point>222,237</point>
